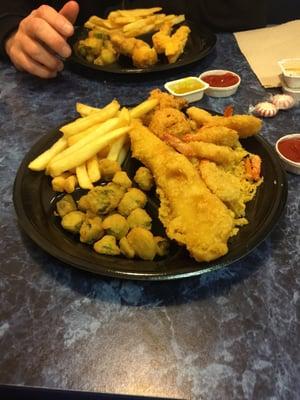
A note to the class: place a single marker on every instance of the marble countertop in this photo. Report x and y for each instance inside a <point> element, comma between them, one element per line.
<point>229,334</point>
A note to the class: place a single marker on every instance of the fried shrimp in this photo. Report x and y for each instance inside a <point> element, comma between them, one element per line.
<point>209,151</point>
<point>244,125</point>
<point>166,100</point>
<point>218,135</point>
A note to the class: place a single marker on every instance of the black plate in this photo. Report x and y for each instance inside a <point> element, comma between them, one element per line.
<point>34,203</point>
<point>200,42</point>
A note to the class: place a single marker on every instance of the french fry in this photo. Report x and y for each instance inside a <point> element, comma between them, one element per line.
<point>84,109</point>
<point>123,153</point>
<point>125,115</point>
<point>93,169</point>
<point>86,152</point>
<point>83,177</point>
<point>137,12</point>
<point>105,23</point>
<point>70,183</point>
<point>83,123</point>
<point>40,163</point>
<point>75,138</point>
<point>139,24</point>
<point>143,108</point>
<point>107,126</point>
<point>116,148</point>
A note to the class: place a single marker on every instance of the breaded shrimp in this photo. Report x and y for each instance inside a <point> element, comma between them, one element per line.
<point>209,151</point>
<point>218,135</point>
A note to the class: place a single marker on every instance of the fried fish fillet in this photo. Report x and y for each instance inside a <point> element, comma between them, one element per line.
<point>190,213</point>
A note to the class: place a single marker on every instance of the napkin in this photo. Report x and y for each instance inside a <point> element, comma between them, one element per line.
<point>264,47</point>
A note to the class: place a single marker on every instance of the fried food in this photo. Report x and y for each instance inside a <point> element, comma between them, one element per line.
<point>214,134</point>
<point>171,45</point>
<point>244,125</point>
<point>209,151</point>
<point>143,243</point>
<point>144,178</point>
<point>185,199</point>
<point>169,121</point>
<point>165,100</point>
<point>143,56</point>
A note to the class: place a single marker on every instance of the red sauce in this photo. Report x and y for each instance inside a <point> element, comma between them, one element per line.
<point>224,80</point>
<point>290,148</point>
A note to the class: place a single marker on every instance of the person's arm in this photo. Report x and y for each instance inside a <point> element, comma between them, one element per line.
<point>39,40</point>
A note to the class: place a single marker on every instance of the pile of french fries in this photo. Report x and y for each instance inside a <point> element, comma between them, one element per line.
<point>73,160</point>
<point>133,23</point>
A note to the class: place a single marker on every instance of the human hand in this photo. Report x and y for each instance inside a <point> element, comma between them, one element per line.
<point>41,39</point>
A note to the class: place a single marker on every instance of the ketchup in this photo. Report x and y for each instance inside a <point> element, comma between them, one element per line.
<point>224,80</point>
<point>290,148</point>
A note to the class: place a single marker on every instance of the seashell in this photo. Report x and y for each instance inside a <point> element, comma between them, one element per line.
<point>283,101</point>
<point>265,109</point>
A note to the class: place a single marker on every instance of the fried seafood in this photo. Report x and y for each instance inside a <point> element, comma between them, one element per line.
<point>209,151</point>
<point>191,214</point>
<point>165,100</point>
<point>169,121</point>
<point>244,125</point>
<point>143,56</point>
<point>214,134</point>
<point>171,45</point>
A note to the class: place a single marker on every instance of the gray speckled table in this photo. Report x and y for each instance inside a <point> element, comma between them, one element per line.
<point>231,334</point>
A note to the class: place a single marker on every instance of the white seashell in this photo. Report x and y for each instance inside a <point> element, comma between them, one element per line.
<point>265,109</point>
<point>283,101</point>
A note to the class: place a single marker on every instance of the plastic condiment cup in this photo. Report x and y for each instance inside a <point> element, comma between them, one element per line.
<point>290,68</point>
<point>289,165</point>
<point>189,95</point>
<point>221,91</point>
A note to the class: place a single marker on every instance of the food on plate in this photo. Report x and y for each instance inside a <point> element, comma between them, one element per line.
<point>132,199</point>
<point>139,217</point>
<point>144,178</point>
<point>244,125</point>
<point>120,34</point>
<point>107,245</point>
<point>172,45</point>
<point>116,225</point>
<point>72,221</point>
<point>202,174</point>
<point>91,229</point>
<point>143,55</point>
<point>76,157</point>
<point>143,243</point>
<point>96,219</point>
<point>66,205</point>
<point>184,198</point>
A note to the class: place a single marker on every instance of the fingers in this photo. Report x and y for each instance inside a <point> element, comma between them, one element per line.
<point>24,63</point>
<point>70,11</point>
<point>39,30</point>
<point>57,21</point>
<point>39,54</point>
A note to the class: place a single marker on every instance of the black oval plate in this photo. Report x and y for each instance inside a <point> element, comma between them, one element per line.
<point>34,203</point>
<point>200,43</point>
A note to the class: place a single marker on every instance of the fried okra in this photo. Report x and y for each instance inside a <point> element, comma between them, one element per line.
<point>144,178</point>
<point>139,217</point>
<point>143,243</point>
<point>126,249</point>
<point>162,246</point>
<point>66,205</point>
<point>72,221</point>
<point>107,245</point>
<point>122,179</point>
<point>132,199</point>
<point>102,199</point>
<point>108,168</point>
<point>91,230</point>
<point>116,225</point>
